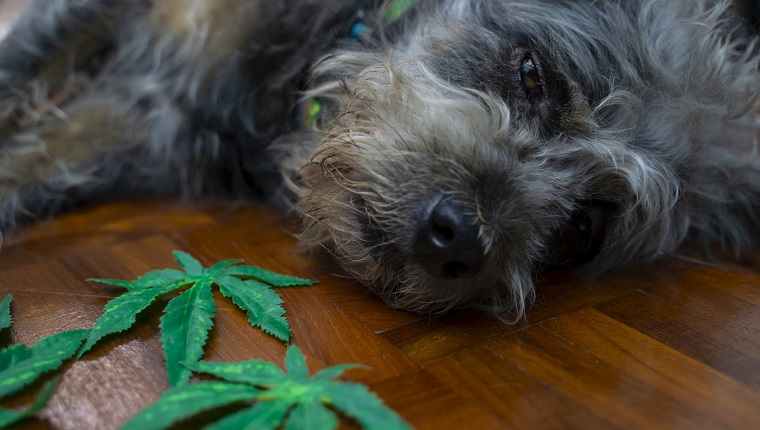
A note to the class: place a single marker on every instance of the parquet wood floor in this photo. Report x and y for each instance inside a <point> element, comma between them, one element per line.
<point>671,346</point>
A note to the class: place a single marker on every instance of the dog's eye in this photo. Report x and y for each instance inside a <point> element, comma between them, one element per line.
<point>530,76</point>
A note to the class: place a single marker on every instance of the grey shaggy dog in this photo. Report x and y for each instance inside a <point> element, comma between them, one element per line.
<point>459,147</point>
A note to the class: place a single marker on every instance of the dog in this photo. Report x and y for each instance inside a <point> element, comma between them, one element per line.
<point>443,152</point>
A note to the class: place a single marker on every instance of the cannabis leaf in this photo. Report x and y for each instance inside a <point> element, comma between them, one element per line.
<point>185,327</point>
<point>8,417</point>
<point>291,400</point>
<point>188,317</point>
<point>20,366</point>
<point>120,313</point>
<point>16,359</point>
<point>181,402</point>
<point>263,306</point>
<point>5,312</point>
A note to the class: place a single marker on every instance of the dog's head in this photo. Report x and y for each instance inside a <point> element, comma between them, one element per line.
<point>488,140</point>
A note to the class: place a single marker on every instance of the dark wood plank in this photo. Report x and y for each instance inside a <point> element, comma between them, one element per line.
<point>416,394</point>
<point>493,381</point>
<point>433,338</point>
<point>617,397</point>
<point>427,339</point>
<point>705,323</point>
<point>713,398</point>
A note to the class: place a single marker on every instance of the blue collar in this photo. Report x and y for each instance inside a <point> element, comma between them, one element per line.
<point>308,110</point>
<point>391,12</point>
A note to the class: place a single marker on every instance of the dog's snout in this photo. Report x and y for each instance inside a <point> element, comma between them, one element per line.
<point>448,243</point>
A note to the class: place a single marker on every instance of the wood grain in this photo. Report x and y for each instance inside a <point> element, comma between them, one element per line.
<point>676,345</point>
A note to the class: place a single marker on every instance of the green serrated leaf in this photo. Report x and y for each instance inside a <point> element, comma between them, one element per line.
<point>295,364</point>
<point>311,415</point>
<point>266,276</point>
<point>184,329</point>
<point>155,278</point>
<point>47,354</point>
<point>263,306</point>
<point>294,401</point>
<point>8,417</point>
<point>255,372</point>
<point>354,400</point>
<point>335,371</point>
<point>262,416</point>
<point>187,400</point>
<point>186,261</point>
<point>365,407</point>
<point>13,354</point>
<point>115,282</point>
<point>121,312</point>
<point>5,312</point>
<point>218,268</point>
<point>44,396</point>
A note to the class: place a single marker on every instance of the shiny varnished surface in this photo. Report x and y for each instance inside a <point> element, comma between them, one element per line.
<point>673,346</point>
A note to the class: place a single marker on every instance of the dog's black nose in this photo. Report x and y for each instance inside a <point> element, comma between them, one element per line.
<point>448,245</point>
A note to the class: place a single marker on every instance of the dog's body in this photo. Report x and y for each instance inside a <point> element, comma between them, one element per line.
<point>461,145</point>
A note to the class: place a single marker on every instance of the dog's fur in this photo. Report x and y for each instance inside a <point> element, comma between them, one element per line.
<point>590,133</point>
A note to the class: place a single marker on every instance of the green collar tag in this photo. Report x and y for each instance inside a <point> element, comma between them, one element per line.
<point>395,9</point>
<point>308,110</point>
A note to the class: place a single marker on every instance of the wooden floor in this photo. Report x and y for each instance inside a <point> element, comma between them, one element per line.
<point>675,346</point>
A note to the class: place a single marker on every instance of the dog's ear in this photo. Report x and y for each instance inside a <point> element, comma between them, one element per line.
<point>749,10</point>
<point>741,23</point>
